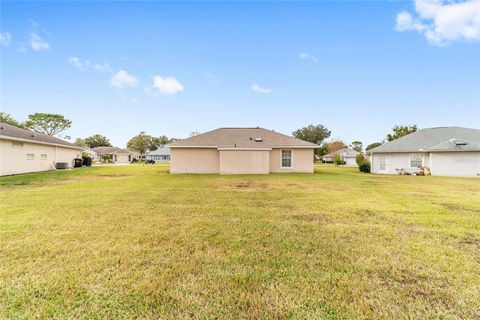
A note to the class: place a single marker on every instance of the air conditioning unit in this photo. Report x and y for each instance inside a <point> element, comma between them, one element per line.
<point>61,165</point>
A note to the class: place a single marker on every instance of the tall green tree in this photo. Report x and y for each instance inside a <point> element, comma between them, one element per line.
<point>335,145</point>
<point>357,145</point>
<point>400,131</point>
<point>373,145</point>
<point>7,118</point>
<point>97,141</point>
<point>47,123</point>
<point>144,143</point>
<point>80,142</point>
<point>313,133</point>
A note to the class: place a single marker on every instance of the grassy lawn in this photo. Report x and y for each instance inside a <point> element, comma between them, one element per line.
<point>135,242</point>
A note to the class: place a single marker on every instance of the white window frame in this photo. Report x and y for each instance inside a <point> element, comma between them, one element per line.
<point>43,156</point>
<point>17,144</point>
<point>383,157</point>
<point>281,159</point>
<point>421,155</point>
<point>32,156</point>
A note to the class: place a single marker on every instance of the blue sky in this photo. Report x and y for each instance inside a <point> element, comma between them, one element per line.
<point>359,68</point>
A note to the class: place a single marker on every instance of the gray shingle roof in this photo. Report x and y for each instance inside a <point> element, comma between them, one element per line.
<point>110,150</point>
<point>346,152</point>
<point>242,138</point>
<point>9,131</point>
<point>159,152</point>
<point>434,140</point>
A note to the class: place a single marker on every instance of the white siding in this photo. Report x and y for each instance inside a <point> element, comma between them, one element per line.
<point>394,161</point>
<point>461,164</point>
<point>13,160</point>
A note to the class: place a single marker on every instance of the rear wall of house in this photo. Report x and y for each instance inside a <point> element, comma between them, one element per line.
<point>302,161</point>
<point>244,161</point>
<point>194,160</point>
<point>461,164</point>
<point>18,159</point>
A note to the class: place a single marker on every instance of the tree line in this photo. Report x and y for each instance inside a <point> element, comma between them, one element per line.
<point>56,124</point>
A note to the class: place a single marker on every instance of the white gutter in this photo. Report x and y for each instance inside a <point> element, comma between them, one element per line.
<point>39,142</point>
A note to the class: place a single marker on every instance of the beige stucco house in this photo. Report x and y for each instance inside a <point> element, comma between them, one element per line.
<point>23,151</point>
<point>241,150</point>
<point>446,151</point>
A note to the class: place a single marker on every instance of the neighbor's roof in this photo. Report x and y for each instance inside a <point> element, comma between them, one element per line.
<point>7,131</point>
<point>346,152</point>
<point>159,152</point>
<point>110,150</point>
<point>434,140</point>
<point>242,138</point>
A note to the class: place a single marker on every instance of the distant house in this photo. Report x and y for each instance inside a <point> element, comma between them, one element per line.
<point>446,151</point>
<point>24,151</point>
<point>117,155</point>
<point>159,155</point>
<point>241,150</point>
<point>346,154</point>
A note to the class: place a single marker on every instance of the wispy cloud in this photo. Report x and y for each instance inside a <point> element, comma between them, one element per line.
<point>103,67</point>
<point>37,43</point>
<point>78,63</point>
<point>123,79</point>
<point>167,85</point>
<point>83,64</point>
<point>256,88</point>
<point>5,39</point>
<point>442,21</point>
<point>307,57</point>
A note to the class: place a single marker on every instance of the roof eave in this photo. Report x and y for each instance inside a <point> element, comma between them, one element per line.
<point>40,142</point>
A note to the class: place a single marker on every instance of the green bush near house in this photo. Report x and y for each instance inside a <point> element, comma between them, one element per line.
<point>87,160</point>
<point>364,166</point>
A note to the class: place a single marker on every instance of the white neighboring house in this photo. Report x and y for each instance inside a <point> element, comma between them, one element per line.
<point>90,152</point>
<point>160,155</point>
<point>23,151</point>
<point>346,154</point>
<point>446,151</point>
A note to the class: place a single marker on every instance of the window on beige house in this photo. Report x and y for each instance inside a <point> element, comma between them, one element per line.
<point>43,156</point>
<point>17,144</point>
<point>286,158</point>
<point>30,156</point>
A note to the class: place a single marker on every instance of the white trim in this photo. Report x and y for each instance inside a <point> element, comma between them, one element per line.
<point>243,149</point>
<point>291,160</point>
<point>39,142</point>
<point>269,148</point>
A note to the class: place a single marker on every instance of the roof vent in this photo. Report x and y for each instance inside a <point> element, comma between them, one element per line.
<point>34,136</point>
<point>458,142</point>
<point>2,128</point>
<point>258,140</point>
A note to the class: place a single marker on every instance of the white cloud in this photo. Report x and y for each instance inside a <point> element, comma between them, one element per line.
<point>256,88</point>
<point>103,67</point>
<point>443,21</point>
<point>78,62</point>
<point>37,43</point>
<point>5,39</point>
<point>167,85</point>
<point>307,57</point>
<point>123,79</point>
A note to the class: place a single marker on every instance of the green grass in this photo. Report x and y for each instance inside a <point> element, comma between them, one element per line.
<point>135,242</point>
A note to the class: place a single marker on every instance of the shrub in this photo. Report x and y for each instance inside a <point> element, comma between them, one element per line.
<point>359,158</point>
<point>87,160</point>
<point>107,158</point>
<point>338,160</point>
<point>364,166</point>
